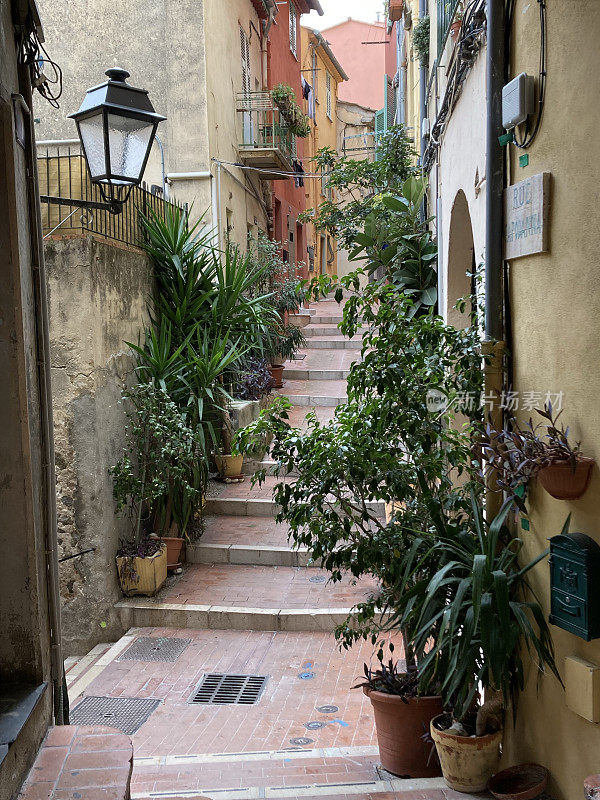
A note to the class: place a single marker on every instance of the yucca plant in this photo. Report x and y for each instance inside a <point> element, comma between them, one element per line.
<point>474,619</point>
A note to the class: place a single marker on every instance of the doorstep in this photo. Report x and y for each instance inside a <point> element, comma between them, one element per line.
<point>83,762</point>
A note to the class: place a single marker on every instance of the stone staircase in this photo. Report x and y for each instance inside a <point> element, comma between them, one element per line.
<point>244,574</point>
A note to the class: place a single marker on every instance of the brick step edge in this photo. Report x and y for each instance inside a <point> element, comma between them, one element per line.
<point>254,555</point>
<point>141,613</point>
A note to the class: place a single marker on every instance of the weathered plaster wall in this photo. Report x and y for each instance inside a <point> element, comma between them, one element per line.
<point>556,318</point>
<point>323,134</point>
<point>98,293</point>
<point>24,625</point>
<point>241,190</point>
<point>161,43</point>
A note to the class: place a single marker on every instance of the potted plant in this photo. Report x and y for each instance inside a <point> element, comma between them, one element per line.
<point>491,619</point>
<point>159,479</point>
<point>456,24</point>
<point>230,460</point>
<point>420,40</point>
<point>296,120</point>
<point>542,451</point>
<point>402,715</point>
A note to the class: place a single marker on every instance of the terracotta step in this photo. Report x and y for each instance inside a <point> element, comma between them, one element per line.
<point>85,762</point>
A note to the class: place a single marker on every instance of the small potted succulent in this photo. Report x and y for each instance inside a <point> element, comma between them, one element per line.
<point>402,714</point>
<point>541,451</point>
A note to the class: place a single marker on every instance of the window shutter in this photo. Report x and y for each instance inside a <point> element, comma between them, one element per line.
<point>390,102</point>
<point>245,52</point>
<point>328,90</point>
<point>293,29</point>
<point>379,129</point>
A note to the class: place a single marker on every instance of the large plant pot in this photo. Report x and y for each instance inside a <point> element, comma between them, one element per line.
<point>401,728</point>
<point>174,548</point>
<point>230,466</point>
<point>396,9</point>
<point>145,576</point>
<point>276,371</point>
<point>565,483</point>
<point>468,762</point>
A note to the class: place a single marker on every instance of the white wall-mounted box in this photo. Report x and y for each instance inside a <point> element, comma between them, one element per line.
<point>582,688</point>
<point>518,100</point>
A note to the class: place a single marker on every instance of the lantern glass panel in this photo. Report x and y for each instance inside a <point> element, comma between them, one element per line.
<point>91,131</point>
<point>129,141</point>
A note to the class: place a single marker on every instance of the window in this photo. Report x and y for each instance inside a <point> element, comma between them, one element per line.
<point>315,75</point>
<point>293,29</point>
<point>328,93</point>
<point>326,189</point>
<point>445,13</point>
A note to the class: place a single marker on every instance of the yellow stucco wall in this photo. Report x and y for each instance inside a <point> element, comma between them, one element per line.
<point>556,312</point>
<point>241,202</point>
<point>323,134</point>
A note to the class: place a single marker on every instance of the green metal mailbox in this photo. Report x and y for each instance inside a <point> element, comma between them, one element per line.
<point>575,584</point>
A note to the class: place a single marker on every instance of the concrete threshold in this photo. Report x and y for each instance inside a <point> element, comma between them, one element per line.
<point>294,373</point>
<point>265,556</point>
<point>396,785</point>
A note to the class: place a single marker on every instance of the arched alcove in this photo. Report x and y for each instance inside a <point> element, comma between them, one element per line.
<point>461,261</point>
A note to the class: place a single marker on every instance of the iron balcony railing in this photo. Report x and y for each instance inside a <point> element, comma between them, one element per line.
<point>263,125</point>
<point>63,176</point>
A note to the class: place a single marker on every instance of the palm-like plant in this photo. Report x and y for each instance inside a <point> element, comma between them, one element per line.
<point>471,621</point>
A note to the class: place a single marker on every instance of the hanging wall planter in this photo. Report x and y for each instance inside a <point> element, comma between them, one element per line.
<point>565,481</point>
<point>395,10</point>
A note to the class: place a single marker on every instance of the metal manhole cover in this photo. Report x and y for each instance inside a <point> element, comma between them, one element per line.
<point>314,726</point>
<point>318,579</point>
<point>299,357</point>
<point>127,714</point>
<point>301,741</point>
<point>306,676</point>
<point>327,709</point>
<point>149,648</point>
<point>217,688</point>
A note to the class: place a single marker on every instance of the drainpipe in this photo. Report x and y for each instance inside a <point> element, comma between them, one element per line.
<point>494,345</point>
<point>423,85</point>
<point>162,166</point>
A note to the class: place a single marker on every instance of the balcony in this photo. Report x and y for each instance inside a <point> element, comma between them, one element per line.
<point>267,142</point>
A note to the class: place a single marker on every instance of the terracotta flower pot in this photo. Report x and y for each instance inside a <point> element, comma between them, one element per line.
<point>276,371</point>
<point>396,9</point>
<point>145,576</point>
<point>565,483</point>
<point>174,548</point>
<point>454,29</point>
<point>400,731</point>
<point>468,762</point>
<point>230,466</point>
<point>523,782</point>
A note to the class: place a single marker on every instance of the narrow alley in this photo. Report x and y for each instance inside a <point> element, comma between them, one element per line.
<point>250,605</point>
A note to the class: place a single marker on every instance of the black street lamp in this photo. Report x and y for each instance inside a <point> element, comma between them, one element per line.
<point>116,125</point>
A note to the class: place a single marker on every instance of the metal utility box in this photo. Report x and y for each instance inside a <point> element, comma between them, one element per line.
<point>575,584</point>
<point>518,100</point>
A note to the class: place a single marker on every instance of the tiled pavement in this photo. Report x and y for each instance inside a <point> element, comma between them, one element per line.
<point>245,752</point>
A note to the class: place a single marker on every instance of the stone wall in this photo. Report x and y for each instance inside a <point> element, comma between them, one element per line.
<point>98,296</point>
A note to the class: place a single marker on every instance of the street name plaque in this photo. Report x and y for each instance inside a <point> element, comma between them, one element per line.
<point>526,216</point>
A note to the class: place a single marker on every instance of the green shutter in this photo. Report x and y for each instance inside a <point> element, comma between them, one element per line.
<point>380,117</point>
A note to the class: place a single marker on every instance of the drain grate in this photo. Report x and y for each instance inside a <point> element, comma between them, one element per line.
<point>127,714</point>
<point>149,648</point>
<point>301,741</point>
<point>217,688</point>
<point>314,726</point>
<point>318,579</point>
<point>327,709</point>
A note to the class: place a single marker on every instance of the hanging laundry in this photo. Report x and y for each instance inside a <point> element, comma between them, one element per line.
<point>308,94</point>
<point>299,179</point>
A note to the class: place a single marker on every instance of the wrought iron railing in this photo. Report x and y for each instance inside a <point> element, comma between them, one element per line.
<point>63,176</point>
<point>263,125</point>
<point>445,13</point>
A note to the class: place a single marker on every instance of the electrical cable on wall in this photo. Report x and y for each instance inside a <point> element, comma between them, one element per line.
<point>529,137</point>
<point>33,54</point>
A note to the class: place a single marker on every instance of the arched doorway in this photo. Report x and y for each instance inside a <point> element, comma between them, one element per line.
<point>461,261</point>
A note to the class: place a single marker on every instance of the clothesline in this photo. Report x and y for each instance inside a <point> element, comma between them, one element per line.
<point>290,174</point>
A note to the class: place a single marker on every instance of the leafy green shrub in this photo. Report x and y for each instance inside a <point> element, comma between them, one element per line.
<point>420,40</point>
